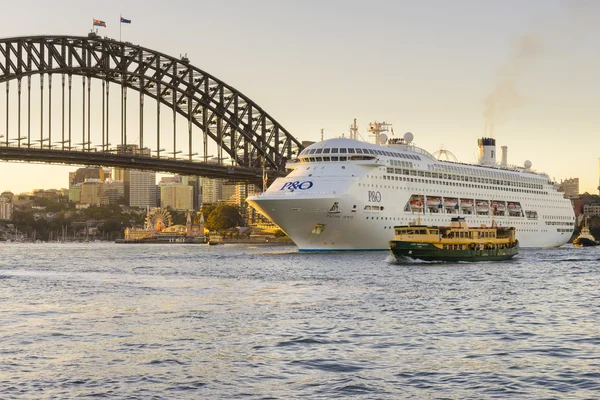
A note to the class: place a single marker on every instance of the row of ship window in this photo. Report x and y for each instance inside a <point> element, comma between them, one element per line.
<point>336,150</point>
<point>462,178</point>
<point>469,185</point>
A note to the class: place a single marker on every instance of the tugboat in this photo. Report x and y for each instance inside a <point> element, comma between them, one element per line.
<point>456,242</point>
<point>585,238</point>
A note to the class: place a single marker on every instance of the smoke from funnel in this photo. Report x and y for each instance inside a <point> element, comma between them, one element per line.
<point>505,97</point>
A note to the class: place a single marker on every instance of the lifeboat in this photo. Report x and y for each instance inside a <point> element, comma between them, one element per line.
<point>433,201</point>
<point>466,203</point>
<point>450,203</point>
<point>514,207</point>
<point>483,206</point>
<point>416,204</point>
<point>498,206</point>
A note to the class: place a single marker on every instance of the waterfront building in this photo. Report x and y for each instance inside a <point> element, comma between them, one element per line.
<point>75,193</point>
<point>52,194</point>
<point>570,187</point>
<point>177,196</point>
<point>591,210</point>
<point>92,192</point>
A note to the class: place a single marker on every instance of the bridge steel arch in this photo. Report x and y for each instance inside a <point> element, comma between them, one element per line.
<point>228,118</point>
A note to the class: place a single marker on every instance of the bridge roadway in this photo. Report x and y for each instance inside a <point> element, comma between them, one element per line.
<point>135,161</point>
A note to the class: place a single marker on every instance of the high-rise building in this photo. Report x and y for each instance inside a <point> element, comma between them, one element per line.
<point>123,175</point>
<point>211,190</point>
<point>177,196</point>
<point>194,182</point>
<point>142,188</point>
<point>139,186</point>
<point>570,187</point>
<point>6,208</point>
<point>228,193</point>
<point>92,192</point>
<point>114,190</point>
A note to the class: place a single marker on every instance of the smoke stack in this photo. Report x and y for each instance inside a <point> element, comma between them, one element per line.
<point>504,156</point>
<point>487,151</point>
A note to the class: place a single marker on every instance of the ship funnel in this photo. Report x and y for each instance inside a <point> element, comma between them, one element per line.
<point>487,151</point>
<point>504,161</point>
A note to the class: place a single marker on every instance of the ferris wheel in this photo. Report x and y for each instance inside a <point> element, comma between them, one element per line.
<point>445,155</point>
<point>158,219</point>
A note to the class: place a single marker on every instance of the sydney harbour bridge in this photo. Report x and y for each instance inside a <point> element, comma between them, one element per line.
<point>97,101</point>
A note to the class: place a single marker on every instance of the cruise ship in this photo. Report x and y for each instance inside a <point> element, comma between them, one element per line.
<point>347,194</point>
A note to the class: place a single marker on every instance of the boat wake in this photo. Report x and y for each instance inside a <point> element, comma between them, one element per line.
<point>404,260</point>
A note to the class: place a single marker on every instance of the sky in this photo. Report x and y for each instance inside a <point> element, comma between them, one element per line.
<point>525,73</point>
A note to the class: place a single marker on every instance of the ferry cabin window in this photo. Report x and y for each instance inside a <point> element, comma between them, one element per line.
<point>343,158</point>
<point>334,150</point>
<point>334,158</point>
<point>359,151</point>
<point>325,158</point>
<point>326,151</point>
<point>351,151</point>
<point>319,151</point>
<point>343,150</point>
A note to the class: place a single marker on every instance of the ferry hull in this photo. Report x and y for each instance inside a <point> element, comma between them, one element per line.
<point>428,252</point>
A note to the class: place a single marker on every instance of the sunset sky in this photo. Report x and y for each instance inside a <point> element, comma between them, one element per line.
<point>444,70</point>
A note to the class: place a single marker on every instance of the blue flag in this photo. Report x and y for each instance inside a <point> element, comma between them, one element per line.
<point>125,21</point>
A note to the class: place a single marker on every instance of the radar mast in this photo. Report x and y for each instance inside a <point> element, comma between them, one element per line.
<point>378,129</point>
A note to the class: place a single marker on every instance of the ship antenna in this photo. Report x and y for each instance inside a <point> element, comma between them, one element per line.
<point>354,130</point>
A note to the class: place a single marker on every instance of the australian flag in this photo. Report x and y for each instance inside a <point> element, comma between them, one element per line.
<point>97,22</point>
<point>125,21</point>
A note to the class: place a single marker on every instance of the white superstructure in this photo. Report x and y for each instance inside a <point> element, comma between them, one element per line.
<point>345,194</point>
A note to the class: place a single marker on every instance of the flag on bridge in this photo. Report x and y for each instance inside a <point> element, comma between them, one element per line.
<point>125,21</point>
<point>97,22</point>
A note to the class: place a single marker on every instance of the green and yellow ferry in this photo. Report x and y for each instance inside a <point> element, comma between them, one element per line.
<point>456,242</point>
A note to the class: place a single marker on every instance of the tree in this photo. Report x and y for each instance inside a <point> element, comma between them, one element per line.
<point>223,217</point>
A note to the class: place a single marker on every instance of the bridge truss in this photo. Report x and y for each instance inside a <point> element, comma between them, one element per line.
<point>207,114</point>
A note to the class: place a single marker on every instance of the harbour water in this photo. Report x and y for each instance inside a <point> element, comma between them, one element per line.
<point>235,321</point>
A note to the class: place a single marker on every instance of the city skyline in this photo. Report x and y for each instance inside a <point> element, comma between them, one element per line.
<point>445,72</point>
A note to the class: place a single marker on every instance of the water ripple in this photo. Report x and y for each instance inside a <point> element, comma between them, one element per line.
<point>223,322</point>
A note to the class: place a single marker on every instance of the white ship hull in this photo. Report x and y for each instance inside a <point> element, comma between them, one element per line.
<point>337,206</point>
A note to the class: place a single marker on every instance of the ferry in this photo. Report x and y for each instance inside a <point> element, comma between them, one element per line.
<point>457,242</point>
<point>346,194</point>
